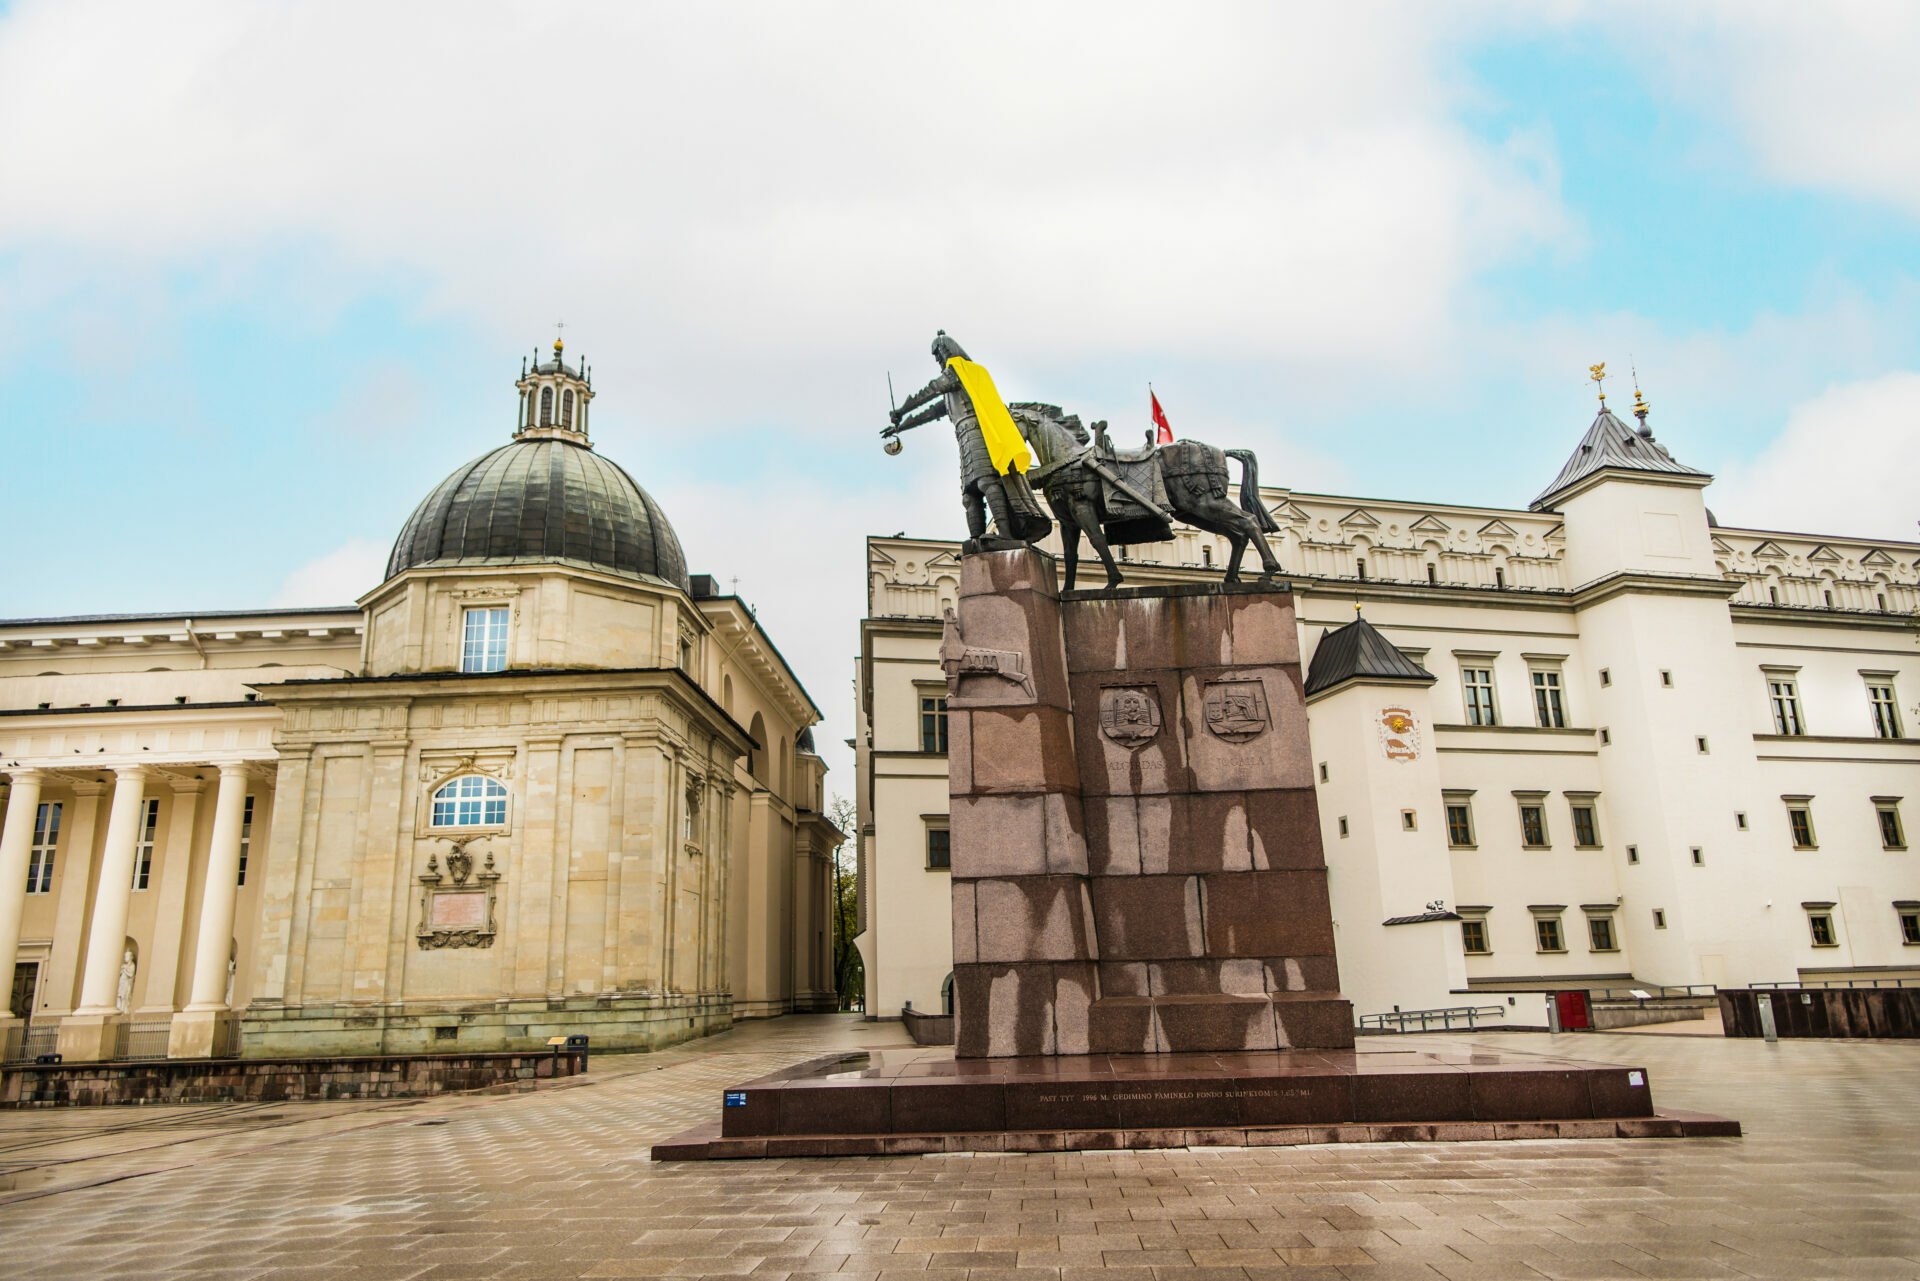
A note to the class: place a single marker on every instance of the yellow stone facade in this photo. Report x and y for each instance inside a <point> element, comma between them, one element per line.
<point>220,833</point>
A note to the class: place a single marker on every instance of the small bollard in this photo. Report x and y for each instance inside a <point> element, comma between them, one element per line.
<point>1764,1004</point>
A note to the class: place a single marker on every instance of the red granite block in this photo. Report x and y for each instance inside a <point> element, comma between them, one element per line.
<point>759,1116</point>
<point>966,947</point>
<point>998,835</point>
<point>1138,918</point>
<point>1122,1025</point>
<point>1213,836</point>
<point>1032,918</point>
<point>1530,1096</point>
<point>1216,1022</point>
<point>1060,1105</point>
<point>1614,1093</point>
<point>1277,756</point>
<point>1075,987</point>
<point>1320,1023</point>
<point>1301,1098</point>
<point>1262,629</point>
<point>936,1106</point>
<point>1266,914</point>
<point>1120,750</point>
<point>1283,829</point>
<point>837,1107</point>
<point>1027,749</point>
<point>1412,1096</point>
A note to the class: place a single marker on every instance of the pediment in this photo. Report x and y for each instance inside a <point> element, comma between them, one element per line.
<point>1357,519</point>
<point>1824,555</point>
<point>1497,528</point>
<point>1878,557</point>
<point>1430,524</point>
<point>1769,550</point>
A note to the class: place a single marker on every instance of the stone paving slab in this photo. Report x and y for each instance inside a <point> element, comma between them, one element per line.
<point>557,1184</point>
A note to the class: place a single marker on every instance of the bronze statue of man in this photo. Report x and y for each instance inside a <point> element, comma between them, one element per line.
<point>993,455</point>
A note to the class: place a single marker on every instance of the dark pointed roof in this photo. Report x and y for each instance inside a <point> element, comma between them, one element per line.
<point>1610,443</point>
<point>1359,650</point>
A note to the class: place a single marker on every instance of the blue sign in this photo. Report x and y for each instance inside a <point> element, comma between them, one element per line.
<point>736,1098</point>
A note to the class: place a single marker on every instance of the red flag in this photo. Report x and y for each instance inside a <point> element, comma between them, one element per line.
<point>1163,433</point>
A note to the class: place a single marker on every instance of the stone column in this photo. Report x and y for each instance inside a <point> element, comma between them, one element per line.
<point>87,1033</point>
<point>193,1029</point>
<point>16,840</point>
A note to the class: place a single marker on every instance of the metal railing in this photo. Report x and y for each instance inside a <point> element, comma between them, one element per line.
<point>1797,984</point>
<point>1652,992</point>
<point>28,1041</point>
<point>146,1040</point>
<point>1444,1020</point>
<point>226,1038</point>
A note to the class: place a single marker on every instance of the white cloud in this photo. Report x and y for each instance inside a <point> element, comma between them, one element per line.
<point>747,206</point>
<point>1842,466</point>
<point>337,578</point>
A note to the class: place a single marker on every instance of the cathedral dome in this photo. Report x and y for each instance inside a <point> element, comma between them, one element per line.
<point>545,496</point>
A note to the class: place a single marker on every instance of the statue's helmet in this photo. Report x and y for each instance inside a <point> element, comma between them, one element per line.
<point>945,349</point>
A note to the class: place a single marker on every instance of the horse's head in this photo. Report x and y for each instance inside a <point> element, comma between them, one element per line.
<point>1051,432</point>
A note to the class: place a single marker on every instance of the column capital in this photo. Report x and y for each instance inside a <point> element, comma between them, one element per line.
<point>235,769</point>
<point>25,774</point>
<point>139,770</point>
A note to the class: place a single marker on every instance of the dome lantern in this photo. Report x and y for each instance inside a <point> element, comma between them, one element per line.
<point>553,399</point>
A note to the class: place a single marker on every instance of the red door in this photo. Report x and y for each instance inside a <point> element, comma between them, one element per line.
<point>1572,1007</point>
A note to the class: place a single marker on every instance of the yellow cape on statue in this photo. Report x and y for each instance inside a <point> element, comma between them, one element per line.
<point>1005,445</point>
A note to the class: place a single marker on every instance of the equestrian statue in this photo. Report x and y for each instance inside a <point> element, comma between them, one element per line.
<point>1112,495</point>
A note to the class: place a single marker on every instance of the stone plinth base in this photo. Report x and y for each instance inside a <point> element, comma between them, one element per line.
<point>638,1022</point>
<point>899,1102</point>
<point>283,1080</point>
<point>191,1034</point>
<point>86,1038</point>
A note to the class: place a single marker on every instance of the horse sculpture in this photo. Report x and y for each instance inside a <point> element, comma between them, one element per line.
<point>1128,497</point>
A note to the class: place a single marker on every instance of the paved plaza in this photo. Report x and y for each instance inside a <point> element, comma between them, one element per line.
<point>557,1183</point>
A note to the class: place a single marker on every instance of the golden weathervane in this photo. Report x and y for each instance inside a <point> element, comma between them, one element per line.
<point>1598,373</point>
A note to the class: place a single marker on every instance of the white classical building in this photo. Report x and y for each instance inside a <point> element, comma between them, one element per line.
<point>539,779</point>
<point>1596,741</point>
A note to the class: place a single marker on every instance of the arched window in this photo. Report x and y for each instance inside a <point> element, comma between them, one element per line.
<point>546,406</point>
<point>566,410</point>
<point>470,801</point>
<point>757,758</point>
<point>946,994</point>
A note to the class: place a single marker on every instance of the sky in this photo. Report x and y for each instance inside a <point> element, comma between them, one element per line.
<point>267,272</point>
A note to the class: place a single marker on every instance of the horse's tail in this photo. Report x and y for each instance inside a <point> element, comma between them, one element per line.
<point>1250,492</point>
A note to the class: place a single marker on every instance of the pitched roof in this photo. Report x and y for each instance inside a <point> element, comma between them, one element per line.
<point>1610,443</point>
<point>1356,650</point>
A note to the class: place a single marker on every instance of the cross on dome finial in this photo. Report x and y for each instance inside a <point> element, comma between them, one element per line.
<point>559,332</point>
<point>1598,373</point>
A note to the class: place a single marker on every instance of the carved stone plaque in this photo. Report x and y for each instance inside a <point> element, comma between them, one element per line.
<point>1130,714</point>
<point>1236,710</point>
<point>1399,734</point>
<point>459,910</point>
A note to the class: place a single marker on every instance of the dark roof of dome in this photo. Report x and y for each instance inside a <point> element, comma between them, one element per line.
<point>542,500</point>
<point>1610,443</point>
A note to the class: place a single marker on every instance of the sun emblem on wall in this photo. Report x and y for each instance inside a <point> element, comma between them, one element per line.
<point>1399,734</point>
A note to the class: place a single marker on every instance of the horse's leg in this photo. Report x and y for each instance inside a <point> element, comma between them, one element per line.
<point>1090,521</point>
<point>1070,538</point>
<point>1238,543</point>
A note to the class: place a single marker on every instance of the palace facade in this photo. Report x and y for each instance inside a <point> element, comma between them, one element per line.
<point>538,780</point>
<point>1596,741</point>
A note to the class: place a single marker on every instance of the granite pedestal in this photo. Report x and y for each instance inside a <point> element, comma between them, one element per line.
<point>1142,938</point>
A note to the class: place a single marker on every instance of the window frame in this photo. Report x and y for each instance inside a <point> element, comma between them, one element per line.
<point>936,735</point>
<point>1816,914</point>
<point>1471,692</point>
<point>144,843</point>
<point>1884,712</point>
<point>1549,686</point>
<point>1543,922</point>
<point>1597,922</point>
<point>1783,702</point>
<point>1461,801</point>
<point>1801,807</point>
<point>474,655</point>
<point>44,847</point>
<point>937,827</point>
<point>1587,803</point>
<point>1907,913</point>
<point>1885,808</point>
<point>1536,802</point>
<point>246,838</point>
<point>1475,916</point>
<point>483,799</point>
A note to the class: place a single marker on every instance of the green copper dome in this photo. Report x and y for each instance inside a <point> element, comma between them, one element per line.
<point>540,500</point>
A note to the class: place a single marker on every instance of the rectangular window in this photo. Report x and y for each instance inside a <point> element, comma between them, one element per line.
<point>1600,934</point>
<point>1586,825</point>
<point>1546,932</point>
<point>143,848</point>
<point>1633,853</point>
<point>1409,821</point>
<point>1910,926</point>
<point>1659,918</point>
<point>1820,926</point>
<point>1698,855</point>
<point>1783,693</point>
<point>1477,686</point>
<point>483,639</point>
<point>939,848</point>
<point>933,723</point>
<point>1800,823</point>
<point>1473,937</point>
<point>1740,820</point>
<point>1533,825</point>
<point>1548,708</point>
<point>1886,711</point>
<point>246,837</point>
<point>1892,836</point>
<point>46,838</point>
<point>1606,677</point>
<point>1460,824</point>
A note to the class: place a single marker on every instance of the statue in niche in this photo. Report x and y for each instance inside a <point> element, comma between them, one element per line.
<point>123,999</point>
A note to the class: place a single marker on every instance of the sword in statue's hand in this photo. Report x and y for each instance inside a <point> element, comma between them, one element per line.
<point>894,444</point>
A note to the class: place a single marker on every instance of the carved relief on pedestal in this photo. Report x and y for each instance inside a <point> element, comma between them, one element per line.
<point>457,908</point>
<point>958,660</point>
<point>1235,710</point>
<point>1130,714</point>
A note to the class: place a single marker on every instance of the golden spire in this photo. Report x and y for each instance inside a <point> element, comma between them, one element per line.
<point>1640,405</point>
<point>1598,373</point>
<point>558,346</point>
